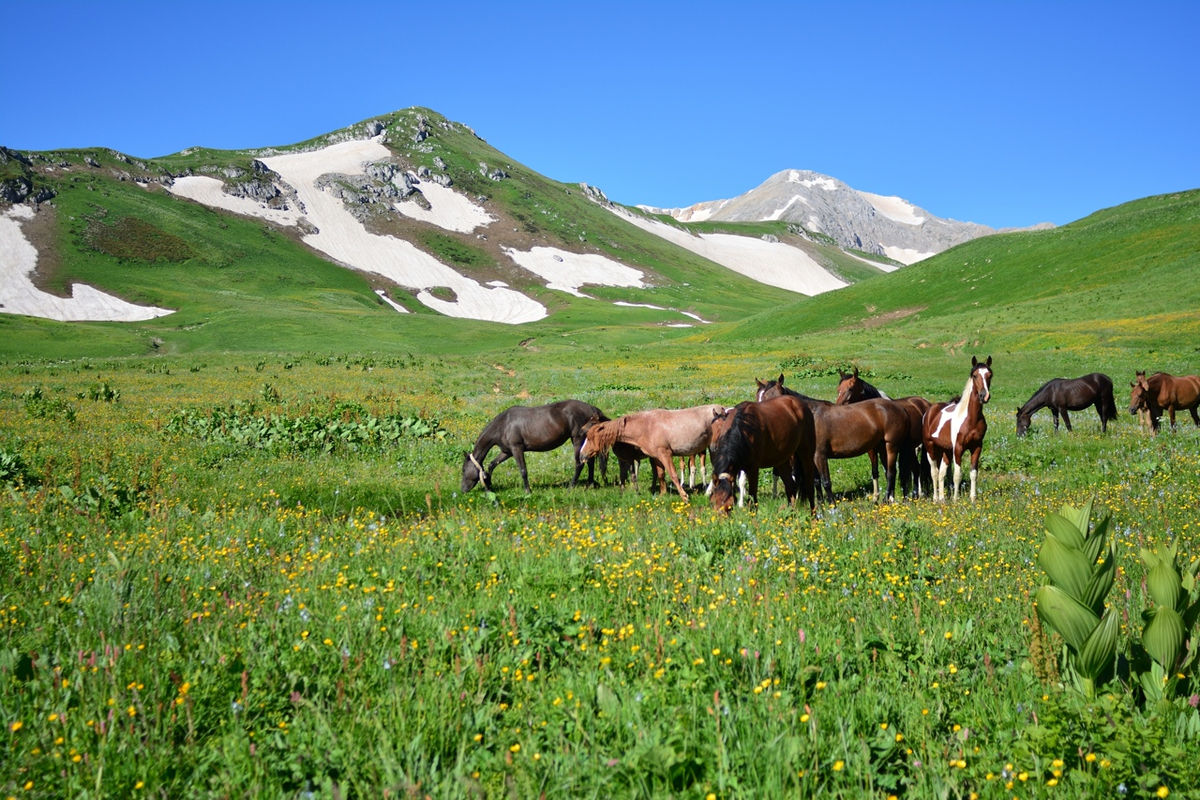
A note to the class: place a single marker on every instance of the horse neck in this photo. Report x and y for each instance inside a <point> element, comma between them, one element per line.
<point>970,400</point>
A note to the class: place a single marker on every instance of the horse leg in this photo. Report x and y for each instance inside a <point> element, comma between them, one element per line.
<point>892,456</point>
<point>752,484</point>
<point>669,463</point>
<point>1171,414</point>
<point>743,482</point>
<point>591,463</point>
<point>874,454</point>
<point>1066,419</point>
<point>519,457</point>
<point>975,469</point>
<point>501,458</point>
<point>1195,416</point>
<point>1103,416</point>
<point>957,477</point>
<point>1054,412</point>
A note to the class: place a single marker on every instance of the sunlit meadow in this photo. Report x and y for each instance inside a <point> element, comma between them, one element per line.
<point>211,604</point>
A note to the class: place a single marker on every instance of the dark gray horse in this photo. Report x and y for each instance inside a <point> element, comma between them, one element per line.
<point>522,429</point>
<point>1063,394</point>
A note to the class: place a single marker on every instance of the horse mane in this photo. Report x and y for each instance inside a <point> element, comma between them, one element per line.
<point>734,446</point>
<point>604,434</point>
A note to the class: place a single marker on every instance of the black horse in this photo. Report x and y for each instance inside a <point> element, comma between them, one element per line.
<point>1064,394</point>
<point>522,429</point>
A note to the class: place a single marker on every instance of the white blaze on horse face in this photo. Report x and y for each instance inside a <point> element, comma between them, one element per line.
<point>986,374</point>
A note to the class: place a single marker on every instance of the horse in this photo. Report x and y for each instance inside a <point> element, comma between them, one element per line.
<point>953,428</point>
<point>1063,395</point>
<point>660,434</point>
<point>852,389</point>
<point>521,429</point>
<point>1165,392</point>
<point>777,433</point>
<point>878,428</point>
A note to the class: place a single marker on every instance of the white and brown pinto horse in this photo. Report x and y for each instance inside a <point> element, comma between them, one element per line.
<point>1165,392</point>
<point>659,433</point>
<point>951,429</point>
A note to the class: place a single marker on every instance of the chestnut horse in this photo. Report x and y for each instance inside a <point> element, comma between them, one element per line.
<point>776,433</point>
<point>1165,392</point>
<point>660,434</point>
<point>875,427</point>
<point>852,389</point>
<point>522,429</point>
<point>1063,395</point>
<point>953,428</point>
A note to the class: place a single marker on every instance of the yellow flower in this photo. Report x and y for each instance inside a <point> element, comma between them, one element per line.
<point>16,726</point>
<point>516,748</point>
<point>1163,791</point>
<point>837,765</point>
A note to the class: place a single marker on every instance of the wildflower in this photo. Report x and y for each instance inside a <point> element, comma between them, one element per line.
<point>1163,791</point>
<point>16,726</point>
<point>837,765</point>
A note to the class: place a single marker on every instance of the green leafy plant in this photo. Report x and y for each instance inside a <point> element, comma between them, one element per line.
<point>1165,639</point>
<point>1081,565</point>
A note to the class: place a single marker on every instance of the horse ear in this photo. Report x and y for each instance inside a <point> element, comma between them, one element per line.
<point>761,383</point>
<point>974,362</point>
<point>781,379</point>
<point>856,371</point>
<point>989,362</point>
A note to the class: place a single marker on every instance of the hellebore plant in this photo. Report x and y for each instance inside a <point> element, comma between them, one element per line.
<point>1165,638</point>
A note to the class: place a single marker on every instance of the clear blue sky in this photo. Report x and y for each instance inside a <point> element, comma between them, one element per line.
<point>1004,113</point>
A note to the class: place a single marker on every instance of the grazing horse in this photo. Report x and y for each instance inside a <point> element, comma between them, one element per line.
<point>853,389</point>
<point>776,433</point>
<point>878,428</point>
<point>660,434</point>
<point>1165,392</point>
<point>1063,395</point>
<point>953,428</point>
<point>522,429</point>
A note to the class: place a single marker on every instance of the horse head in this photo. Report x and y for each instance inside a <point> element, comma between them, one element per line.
<point>722,496</point>
<point>600,437</point>
<point>473,473</point>
<point>850,387</point>
<point>769,389</point>
<point>1023,422</point>
<point>1139,395</point>
<point>981,377</point>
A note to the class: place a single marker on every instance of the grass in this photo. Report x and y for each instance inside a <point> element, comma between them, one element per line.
<point>196,617</point>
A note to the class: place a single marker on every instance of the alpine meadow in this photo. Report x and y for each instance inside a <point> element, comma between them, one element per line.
<point>238,560</point>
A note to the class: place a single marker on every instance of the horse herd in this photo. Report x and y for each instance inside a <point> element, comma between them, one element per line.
<point>795,435</point>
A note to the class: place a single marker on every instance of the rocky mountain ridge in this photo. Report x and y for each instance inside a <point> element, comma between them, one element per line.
<point>853,219</point>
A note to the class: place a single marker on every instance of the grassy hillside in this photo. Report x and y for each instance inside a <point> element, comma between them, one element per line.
<point>243,284</point>
<point>234,573</point>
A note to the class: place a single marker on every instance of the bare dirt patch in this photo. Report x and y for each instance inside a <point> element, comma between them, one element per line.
<point>891,316</point>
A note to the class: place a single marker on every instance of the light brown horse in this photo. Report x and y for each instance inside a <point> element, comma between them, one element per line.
<point>660,434</point>
<point>876,428</point>
<point>776,433</point>
<point>853,389</point>
<point>953,428</point>
<point>1165,392</point>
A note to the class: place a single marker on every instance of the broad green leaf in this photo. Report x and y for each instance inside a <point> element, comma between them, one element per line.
<point>1096,540</point>
<point>1100,583</point>
<point>1072,619</point>
<point>1078,517</point>
<point>1163,584</point>
<point>1100,649</point>
<point>1065,531</point>
<point>1163,637</point>
<point>1068,569</point>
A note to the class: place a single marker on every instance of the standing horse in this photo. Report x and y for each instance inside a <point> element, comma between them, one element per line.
<point>853,389</point>
<point>876,427</point>
<point>953,428</point>
<point>522,429</point>
<point>660,434</point>
<point>1165,392</point>
<point>776,433</point>
<point>1063,395</point>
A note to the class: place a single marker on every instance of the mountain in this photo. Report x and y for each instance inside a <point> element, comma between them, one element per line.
<point>855,220</point>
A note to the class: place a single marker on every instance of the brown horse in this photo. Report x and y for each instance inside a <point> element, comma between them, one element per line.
<point>954,428</point>
<point>660,434</point>
<point>1165,392</point>
<point>853,389</point>
<point>1063,395</point>
<point>876,427</point>
<point>522,429</point>
<point>776,433</point>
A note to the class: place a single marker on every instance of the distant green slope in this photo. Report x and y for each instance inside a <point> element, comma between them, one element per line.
<point>1124,274</point>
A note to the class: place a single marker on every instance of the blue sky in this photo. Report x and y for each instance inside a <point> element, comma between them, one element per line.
<point>1004,113</point>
